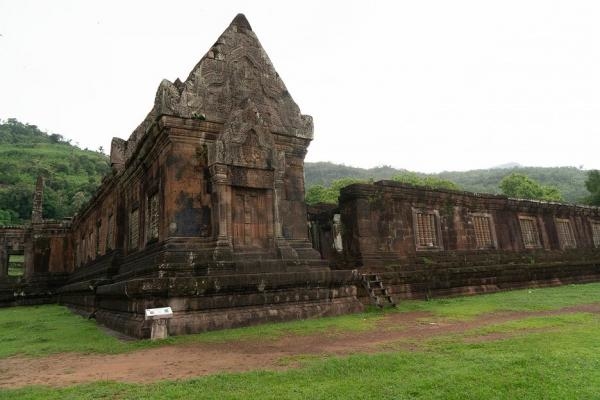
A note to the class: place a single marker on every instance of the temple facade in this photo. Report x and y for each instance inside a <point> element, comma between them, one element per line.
<point>204,212</point>
<point>204,209</point>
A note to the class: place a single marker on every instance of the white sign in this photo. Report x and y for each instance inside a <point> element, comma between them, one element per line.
<point>159,313</point>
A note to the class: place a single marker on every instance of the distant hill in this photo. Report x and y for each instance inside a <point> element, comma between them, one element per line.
<point>507,165</point>
<point>72,174</point>
<point>569,180</point>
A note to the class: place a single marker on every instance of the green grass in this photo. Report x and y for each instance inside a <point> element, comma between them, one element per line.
<point>517,300</point>
<point>43,330</point>
<point>542,324</point>
<point>537,357</point>
<point>327,325</point>
<point>561,364</point>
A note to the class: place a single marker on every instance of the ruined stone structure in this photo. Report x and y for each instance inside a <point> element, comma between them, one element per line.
<point>46,247</point>
<point>424,242</point>
<point>204,212</point>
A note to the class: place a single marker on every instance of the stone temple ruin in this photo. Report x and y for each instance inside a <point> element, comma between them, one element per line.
<point>204,212</point>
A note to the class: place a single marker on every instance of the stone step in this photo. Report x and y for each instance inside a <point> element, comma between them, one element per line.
<point>379,294</point>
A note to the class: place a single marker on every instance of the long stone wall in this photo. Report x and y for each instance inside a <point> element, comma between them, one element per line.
<point>439,242</point>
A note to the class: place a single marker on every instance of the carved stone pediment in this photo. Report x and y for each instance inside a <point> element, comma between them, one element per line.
<point>246,140</point>
<point>235,69</point>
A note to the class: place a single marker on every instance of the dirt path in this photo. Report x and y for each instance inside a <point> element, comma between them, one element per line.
<point>191,360</point>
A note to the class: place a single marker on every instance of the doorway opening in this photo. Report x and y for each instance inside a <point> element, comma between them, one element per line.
<point>16,265</point>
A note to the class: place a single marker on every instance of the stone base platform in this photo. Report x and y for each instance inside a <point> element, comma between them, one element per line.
<point>204,303</point>
<point>455,273</point>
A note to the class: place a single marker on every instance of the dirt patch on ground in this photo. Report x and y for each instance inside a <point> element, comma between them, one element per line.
<point>191,360</point>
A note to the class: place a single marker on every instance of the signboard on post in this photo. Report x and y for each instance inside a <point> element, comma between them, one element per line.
<point>159,317</point>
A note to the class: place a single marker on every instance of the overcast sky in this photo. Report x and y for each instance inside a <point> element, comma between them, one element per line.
<point>422,85</point>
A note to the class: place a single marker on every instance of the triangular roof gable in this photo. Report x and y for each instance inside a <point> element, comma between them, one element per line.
<point>234,70</point>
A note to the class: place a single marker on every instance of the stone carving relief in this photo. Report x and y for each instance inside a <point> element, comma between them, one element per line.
<point>245,140</point>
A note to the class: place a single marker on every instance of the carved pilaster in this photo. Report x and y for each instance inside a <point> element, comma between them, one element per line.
<point>284,250</point>
<point>277,189</point>
<point>219,178</point>
<point>29,256</point>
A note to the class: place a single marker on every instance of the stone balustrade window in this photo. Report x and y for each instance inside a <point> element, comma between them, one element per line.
<point>566,238</point>
<point>153,213</point>
<point>530,233</point>
<point>134,229</point>
<point>427,230</point>
<point>484,235</point>
<point>596,233</point>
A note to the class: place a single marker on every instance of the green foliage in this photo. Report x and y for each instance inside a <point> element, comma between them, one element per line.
<point>568,180</point>
<point>522,187</point>
<point>592,184</point>
<point>324,173</point>
<point>72,174</point>
<point>320,194</point>
<point>427,181</point>
<point>8,217</point>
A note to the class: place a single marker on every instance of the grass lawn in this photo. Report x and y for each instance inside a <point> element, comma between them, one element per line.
<point>48,329</point>
<point>517,300</point>
<point>547,357</point>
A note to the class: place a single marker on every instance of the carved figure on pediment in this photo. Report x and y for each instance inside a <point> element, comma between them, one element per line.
<point>245,141</point>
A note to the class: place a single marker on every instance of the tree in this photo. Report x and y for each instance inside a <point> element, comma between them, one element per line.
<point>56,138</point>
<point>427,181</point>
<point>592,184</point>
<point>8,217</point>
<point>523,187</point>
<point>318,194</point>
<point>321,194</point>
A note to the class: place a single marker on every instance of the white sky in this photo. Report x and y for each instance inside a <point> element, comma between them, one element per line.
<point>421,85</point>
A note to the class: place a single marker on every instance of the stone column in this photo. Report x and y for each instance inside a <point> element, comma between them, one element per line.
<point>28,256</point>
<point>284,250</point>
<point>38,196</point>
<point>277,186</point>
<point>224,249</point>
